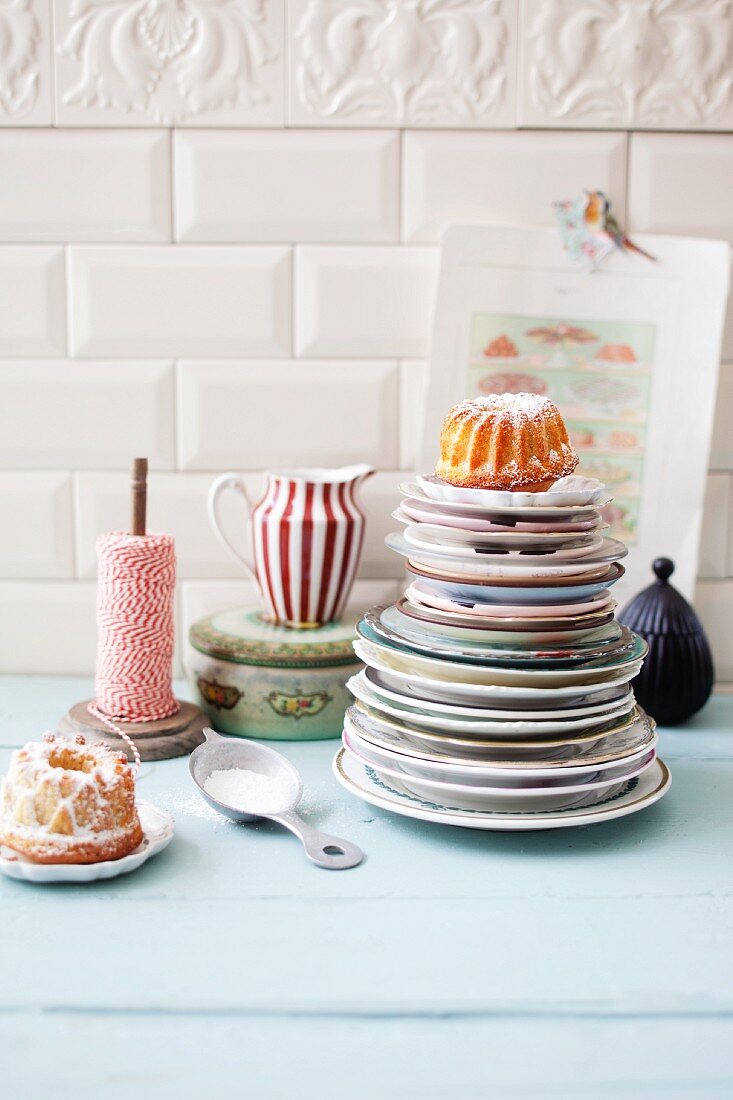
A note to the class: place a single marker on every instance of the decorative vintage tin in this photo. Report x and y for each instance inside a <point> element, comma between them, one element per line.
<point>256,679</point>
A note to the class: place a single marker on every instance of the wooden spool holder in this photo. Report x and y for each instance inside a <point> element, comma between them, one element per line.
<point>166,737</point>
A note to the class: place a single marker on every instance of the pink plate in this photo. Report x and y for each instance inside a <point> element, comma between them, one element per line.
<point>426,514</point>
<point>418,595</point>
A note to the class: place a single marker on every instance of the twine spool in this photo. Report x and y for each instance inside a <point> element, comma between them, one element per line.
<point>135,635</point>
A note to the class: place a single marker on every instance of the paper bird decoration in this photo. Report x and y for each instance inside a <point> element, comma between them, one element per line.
<point>590,230</point>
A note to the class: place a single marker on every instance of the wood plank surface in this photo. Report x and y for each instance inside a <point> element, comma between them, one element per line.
<point>587,962</point>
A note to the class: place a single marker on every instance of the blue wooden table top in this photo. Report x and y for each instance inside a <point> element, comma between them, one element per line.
<point>592,962</point>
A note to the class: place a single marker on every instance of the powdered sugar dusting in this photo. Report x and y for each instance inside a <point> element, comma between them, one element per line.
<point>245,790</point>
<point>517,407</point>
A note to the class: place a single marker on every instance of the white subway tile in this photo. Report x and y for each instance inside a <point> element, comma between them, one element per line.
<point>255,415</point>
<point>177,64</point>
<point>32,300</point>
<point>714,604</point>
<point>176,505</point>
<point>681,183</point>
<point>26,82</point>
<point>414,377</point>
<point>721,453</point>
<point>84,185</point>
<point>353,63</point>
<point>370,301</point>
<point>37,530</point>
<point>48,628</point>
<point>287,185</point>
<point>474,177</point>
<point>85,415</point>
<point>715,535</point>
<point>180,300</point>
<point>381,496</point>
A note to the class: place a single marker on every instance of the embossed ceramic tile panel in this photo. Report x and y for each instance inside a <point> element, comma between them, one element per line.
<point>402,62</point>
<point>644,64</point>
<point>26,91</point>
<point>170,62</point>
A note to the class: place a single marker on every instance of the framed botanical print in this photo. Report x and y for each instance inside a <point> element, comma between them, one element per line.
<point>629,353</point>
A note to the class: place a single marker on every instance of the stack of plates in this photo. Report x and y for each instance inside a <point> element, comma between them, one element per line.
<point>496,692</point>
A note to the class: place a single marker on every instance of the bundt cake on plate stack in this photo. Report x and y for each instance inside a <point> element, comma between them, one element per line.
<point>496,692</point>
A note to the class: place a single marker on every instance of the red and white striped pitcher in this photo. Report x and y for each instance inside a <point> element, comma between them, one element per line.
<point>306,536</point>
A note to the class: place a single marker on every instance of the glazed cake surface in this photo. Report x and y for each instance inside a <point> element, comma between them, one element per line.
<point>66,801</point>
<point>505,441</point>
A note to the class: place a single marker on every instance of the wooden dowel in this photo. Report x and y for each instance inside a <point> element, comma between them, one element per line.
<point>139,495</point>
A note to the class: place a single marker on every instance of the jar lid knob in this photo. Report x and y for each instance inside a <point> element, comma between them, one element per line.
<point>663,569</point>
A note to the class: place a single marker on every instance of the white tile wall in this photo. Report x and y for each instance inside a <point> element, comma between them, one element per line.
<point>479,176</point>
<point>218,247</point>
<point>371,301</point>
<point>126,64</point>
<point>85,415</point>
<point>66,185</point>
<point>287,185</point>
<point>32,301</point>
<point>36,538</point>
<point>161,301</point>
<point>680,183</point>
<point>26,82</point>
<point>247,416</point>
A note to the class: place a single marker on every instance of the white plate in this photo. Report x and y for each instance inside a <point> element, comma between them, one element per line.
<point>424,688</point>
<point>458,543</point>
<point>569,491</point>
<point>610,742</point>
<point>390,660</point>
<point>469,538</point>
<point>414,492</point>
<point>463,796</point>
<point>511,565</point>
<point>157,826</point>
<point>637,794</point>
<point>371,683</point>
<point>476,721</point>
<point>424,511</point>
<point>381,749</point>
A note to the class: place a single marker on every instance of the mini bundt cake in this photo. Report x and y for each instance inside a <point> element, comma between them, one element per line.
<point>505,441</point>
<point>69,802</point>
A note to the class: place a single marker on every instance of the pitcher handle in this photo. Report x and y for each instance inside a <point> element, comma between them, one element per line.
<point>218,486</point>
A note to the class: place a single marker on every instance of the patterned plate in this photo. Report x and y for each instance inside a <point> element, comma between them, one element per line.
<point>633,795</point>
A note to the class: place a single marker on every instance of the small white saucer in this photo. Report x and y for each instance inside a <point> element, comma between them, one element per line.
<point>157,825</point>
<point>570,491</point>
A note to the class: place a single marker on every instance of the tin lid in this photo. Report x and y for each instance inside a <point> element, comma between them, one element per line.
<point>245,638</point>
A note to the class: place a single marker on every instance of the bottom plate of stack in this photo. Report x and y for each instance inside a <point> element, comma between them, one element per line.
<point>389,793</point>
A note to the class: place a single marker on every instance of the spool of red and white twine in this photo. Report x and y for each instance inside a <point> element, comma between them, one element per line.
<point>137,576</point>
